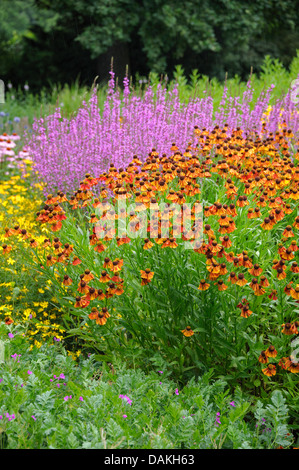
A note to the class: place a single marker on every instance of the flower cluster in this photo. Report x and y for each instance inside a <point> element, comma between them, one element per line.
<point>257,189</point>
<point>63,149</point>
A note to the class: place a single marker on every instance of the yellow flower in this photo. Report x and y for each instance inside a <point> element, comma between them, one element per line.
<point>27,313</point>
<point>44,304</point>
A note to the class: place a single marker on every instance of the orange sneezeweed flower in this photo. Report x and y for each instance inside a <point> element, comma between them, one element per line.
<point>8,232</point>
<point>6,249</point>
<point>255,270</point>
<point>221,286</point>
<point>267,224</point>
<point>16,230</point>
<point>116,265</point>
<point>285,362</point>
<point>288,288</point>
<point>106,262</point>
<point>287,329</point>
<point>203,285</point>
<point>24,234</point>
<point>254,284</point>
<point>68,249</point>
<point>99,247</point>
<point>101,295</point>
<point>81,302</point>
<point>111,290</point>
<point>263,357</point>
<point>82,287</point>
<point>187,331</point>
<point>208,231</point>
<point>119,290</point>
<point>225,241</point>
<point>104,277</point>
<point>105,312</point>
<point>91,293</point>
<point>241,281</point>
<point>273,295</point>
<point>245,311</point>
<point>147,244</point>
<point>293,246</point>
<point>279,265</point>
<point>33,243</point>
<point>171,243</point>
<point>295,327</point>
<point>223,269</point>
<point>278,214</point>
<point>270,370</point>
<point>288,233</point>
<point>122,240</point>
<point>88,276</point>
<point>101,319</point>
<point>294,368</point>
<point>286,253</point>
<point>50,260</point>
<point>231,210</point>
<point>146,276</point>
<point>256,213</point>
<point>250,214</point>
<point>271,351</point>
<point>294,267</point>
<point>94,313</point>
<point>281,274</point>
<point>67,280</point>
<point>245,261</point>
<point>214,247</point>
<point>233,278</point>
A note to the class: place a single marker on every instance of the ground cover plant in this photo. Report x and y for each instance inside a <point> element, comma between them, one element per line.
<point>50,401</point>
<point>181,260</point>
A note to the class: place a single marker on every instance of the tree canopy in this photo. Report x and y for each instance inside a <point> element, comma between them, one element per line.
<point>45,41</point>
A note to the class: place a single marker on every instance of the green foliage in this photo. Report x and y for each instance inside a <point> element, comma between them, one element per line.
<point>86,411</point>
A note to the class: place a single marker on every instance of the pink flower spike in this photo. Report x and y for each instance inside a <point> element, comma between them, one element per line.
<point>124,416</point>
<point>177,391</point>
<point>29,372</point>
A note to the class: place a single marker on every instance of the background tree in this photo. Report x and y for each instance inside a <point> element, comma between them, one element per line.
<point>46,41</point>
